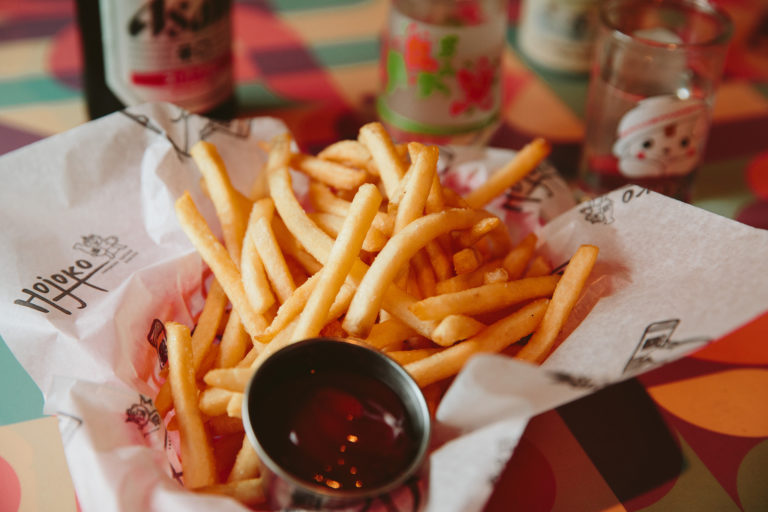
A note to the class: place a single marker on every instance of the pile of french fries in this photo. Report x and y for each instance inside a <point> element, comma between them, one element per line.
<point>385,255</point>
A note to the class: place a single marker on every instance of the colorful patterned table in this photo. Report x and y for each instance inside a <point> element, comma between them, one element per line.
<point>692,435</point>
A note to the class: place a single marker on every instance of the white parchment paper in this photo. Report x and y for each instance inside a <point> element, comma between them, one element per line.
<point>92,254</point>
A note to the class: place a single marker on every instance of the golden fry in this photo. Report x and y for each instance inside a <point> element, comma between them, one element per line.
<point>331,224</point>
<point>493,338</point>
<point>246,464</point>
<point>391,168</point>
<point>389,333</point>
<point>231,206</point>
<point>400,248</point>
<point>214,401</point>
<point>518,258</point>
<point>197,459</point>
<point>523,163</point>
<point>539,266</point>
<point>208,323</point>
<point>564,297</point>
<point>343,254</point>
<point>422,170</point>
<point>465,261</point>
<point>455,328</point>
<point>214,254</point>
<point>254,275</point>
<point>350,152</point>
<point>331,173</point>
<point>272,257</point>
<point>234,343</point>
<point>323,200</point>
<point>404,357</point>
<point>232,379</point>
<point>485,298</point>
<point>468,280</point>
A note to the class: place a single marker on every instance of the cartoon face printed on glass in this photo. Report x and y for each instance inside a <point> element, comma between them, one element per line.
<point>661,136</point>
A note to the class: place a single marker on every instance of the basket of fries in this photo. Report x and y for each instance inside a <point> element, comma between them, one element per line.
<point>218,244</point>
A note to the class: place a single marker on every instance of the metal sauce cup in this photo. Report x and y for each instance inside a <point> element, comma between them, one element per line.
<point>267,404</point>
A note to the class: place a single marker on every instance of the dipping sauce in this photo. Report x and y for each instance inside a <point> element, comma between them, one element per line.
<point>338,429</point>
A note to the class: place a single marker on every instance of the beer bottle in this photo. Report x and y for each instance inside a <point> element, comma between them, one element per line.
<point>139,51</point>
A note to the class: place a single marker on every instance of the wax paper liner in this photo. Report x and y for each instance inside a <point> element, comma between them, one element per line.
<point>93,258</point>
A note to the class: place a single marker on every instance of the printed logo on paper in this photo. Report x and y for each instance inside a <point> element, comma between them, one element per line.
<point>144,415</point>
<point>661,136</point>
<point>598,210</point>
<point>656,345</point>
<point>157,338</point>
<point>66,289</point>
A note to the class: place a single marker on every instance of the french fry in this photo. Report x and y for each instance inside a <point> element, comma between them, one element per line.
<point>465,261</point>
<point>217,258</point>
<point>254,275</point>
<point>564,297</point>
<point>235,405</point>
<point>425,275</point>
<point>404,357</point>
<point>455,328</point>
<point>292,248</point>
<point>397,303</point>
<point>486,298</point>
<point>197,459</point>
<point>468,280</point>
<point>331,224</point>
<point>539,266</point>
<point>208,323</point>
<point>472,236</point>
<point>247,464</point>
<point>343,253</point>
<point>389,333</point>
<point>493,338</point>
<point>518,258</point>
<point>319,244</point>
<point>272,257</point>
<point>231,206</point>
<point>441,263</point>
<point>323,200</point>
<point>290,309</point>
<point>307,233</point>
<point>401,247</point>
<point>213,401</point>
<point>331,173</point>
<point>224,425</point>
<point>523,163</point>
<point>348,151</point>
<point>421,173</point>
<point>234,343</point>
<point>391,168</point>
<point>205,332</point>
<point>248,359</point>
<point>231,379</point>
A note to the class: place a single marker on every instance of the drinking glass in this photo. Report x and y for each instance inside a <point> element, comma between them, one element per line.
<point>656,68</point>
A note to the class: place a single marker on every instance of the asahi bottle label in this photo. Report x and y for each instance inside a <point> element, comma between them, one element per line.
<point>178,51</point>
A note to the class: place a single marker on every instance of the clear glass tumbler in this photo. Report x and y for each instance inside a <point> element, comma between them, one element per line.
<point>656,68</point>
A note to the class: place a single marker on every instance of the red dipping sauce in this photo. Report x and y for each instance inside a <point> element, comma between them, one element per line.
<point>338,429</point>
<point>336,424</point>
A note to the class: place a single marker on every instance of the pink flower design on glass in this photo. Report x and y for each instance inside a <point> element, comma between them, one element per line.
<point>476,87</point>
<point>418,53</point>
